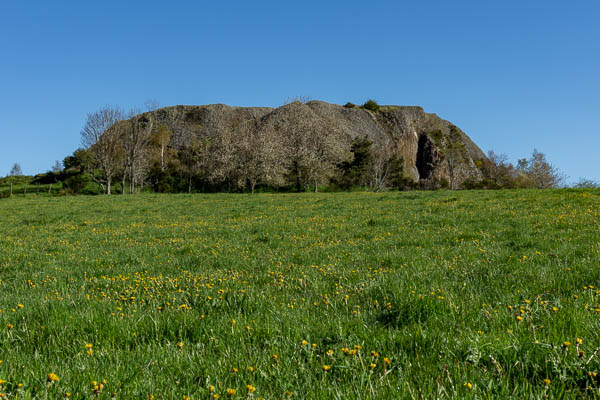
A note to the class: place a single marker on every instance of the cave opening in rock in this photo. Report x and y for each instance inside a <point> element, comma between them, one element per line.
<point>425,157</point>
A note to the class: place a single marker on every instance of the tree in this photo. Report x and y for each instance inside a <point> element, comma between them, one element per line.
<point>454,153</point>
<point>356,171</point>
<point>194,158</point>
<point>135,136</point>
<point>161,139</point>
<point>103,143</point>
<point>152,105</point>
<point>16,170</point>
<point>57,167</point>
<point>584,183</point>
<point>259,156</point>
<point>543,173</point>
<point>314,145</point>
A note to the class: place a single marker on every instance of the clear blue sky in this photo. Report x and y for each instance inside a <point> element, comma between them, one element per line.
<point>514,75</point>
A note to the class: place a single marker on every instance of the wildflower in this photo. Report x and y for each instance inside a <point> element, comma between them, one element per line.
<point>555,309</point>
<point>20,305</point>
<point>519,318</point>
<point>579,341</point>
<point>251,368</point>
<point>231,392</point>
<point>547,381</point>
<point>275,357</point>
<point>53,377</point>
<point>374,353</point>
<point>180,344</point>
<point>10,326</point>
<point>304,343</point>
<point>211,388</point>
<point>372,365</point>
<point>326,368</point>
<point>329,352</point>
<point>469,385</point>
<point>566,344</point>
<point>2,381</point>
<point>89,345</point>
<point>387,360</point>
<point>234,370</point>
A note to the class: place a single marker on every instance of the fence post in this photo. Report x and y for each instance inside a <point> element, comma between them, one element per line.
<point>50,188</point>
<point>11,189</point>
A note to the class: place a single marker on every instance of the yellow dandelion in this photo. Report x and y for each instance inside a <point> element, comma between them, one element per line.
<point>304,343</point>
<point>469,385</point>
<point>326,368</point>
<point>53,377</point>
<point>547,381</point>
<point>566,344</point>
<point>387,360</point>
<point>372,366</point>
<point>231,392</point>
<point>250,388</point>
<point>180,344</point>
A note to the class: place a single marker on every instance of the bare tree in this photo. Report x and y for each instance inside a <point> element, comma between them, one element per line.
<point>454,153</point>
<point>103,142</point>
<point>315,146</point>
<point>16,170</point>
<point>135,136</point>
<point>380,167</point>
<point>544,174</point>
<point>161,139</point>
<point>152,105</point>
<point>57,167</point>
<point>259,155</point>
<point>194,157</point>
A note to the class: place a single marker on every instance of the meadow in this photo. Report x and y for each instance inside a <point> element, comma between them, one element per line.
<point>470,294</point>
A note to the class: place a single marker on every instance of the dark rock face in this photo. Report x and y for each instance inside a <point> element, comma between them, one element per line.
<point>406,130</point>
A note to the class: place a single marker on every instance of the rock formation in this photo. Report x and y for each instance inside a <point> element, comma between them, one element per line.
<point>419,137</point>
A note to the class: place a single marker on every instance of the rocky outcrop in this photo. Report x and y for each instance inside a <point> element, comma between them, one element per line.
<point>419,137</point>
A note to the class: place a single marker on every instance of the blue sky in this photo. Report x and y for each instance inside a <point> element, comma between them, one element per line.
<point>514,75</point>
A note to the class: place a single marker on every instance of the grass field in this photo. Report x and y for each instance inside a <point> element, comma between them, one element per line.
<point>351,295</point>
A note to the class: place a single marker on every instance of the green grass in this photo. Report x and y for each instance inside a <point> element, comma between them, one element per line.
<point>177,292</point>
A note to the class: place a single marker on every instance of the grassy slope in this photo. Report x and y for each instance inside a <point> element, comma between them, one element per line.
<point>174,292</point>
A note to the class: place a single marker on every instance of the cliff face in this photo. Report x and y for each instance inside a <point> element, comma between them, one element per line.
<point>419,137</point>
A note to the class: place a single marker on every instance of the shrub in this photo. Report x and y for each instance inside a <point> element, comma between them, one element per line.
<point>349,105</point>
<point>371,105</point>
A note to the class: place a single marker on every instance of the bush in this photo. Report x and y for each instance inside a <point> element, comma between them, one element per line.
<point>371,105</point>
<point>349,105</point>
